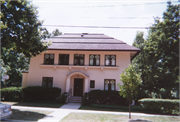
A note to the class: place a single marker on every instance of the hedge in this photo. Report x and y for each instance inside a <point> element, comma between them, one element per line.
<point>11,94</point>
<point>167,106</point>
<point>39,94</point>
<point>30,94</point>
<point>104,97</point>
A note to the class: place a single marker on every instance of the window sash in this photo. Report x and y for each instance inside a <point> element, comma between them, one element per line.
<point>63,59</point>
<point>110,60</point>
<point>47,81</point>
<point>94,60</point>
<point>109,84</point>
<point>92,84</point>
<point>49,59</point>
<point>79,59</point>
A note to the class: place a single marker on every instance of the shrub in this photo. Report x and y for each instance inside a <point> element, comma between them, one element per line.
<point>167,106</point>
<point>84,99</point>
<point>39,93</point>
<point>63,97</point>
<point>105,97</point>
<point>11,94</point>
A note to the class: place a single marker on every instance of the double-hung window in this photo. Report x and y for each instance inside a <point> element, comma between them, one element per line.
<point>109,84</point>
<point>47,81</point>
<point>63,59</point>
<point>94,60</point>
<point>110,60</point>
<point>79,59</point>
<point>49,59</point>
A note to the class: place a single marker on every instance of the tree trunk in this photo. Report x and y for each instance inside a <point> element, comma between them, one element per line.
<point>129,109</point>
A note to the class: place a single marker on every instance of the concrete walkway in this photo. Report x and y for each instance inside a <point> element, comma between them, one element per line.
<point>61,113</point>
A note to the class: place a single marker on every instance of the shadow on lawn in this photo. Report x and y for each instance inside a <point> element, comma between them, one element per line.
<point>26,115</point>
<point>48,104</point>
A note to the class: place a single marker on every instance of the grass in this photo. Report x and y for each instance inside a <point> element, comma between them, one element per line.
<point>29,115</point>
<point>118,109</point>
<point>136,109</point>
<point>49,105</point>
<point>82,117</point>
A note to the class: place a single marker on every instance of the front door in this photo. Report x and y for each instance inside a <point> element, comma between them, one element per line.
<point>78,86</point>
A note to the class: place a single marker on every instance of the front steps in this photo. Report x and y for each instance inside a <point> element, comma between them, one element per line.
<point>75,99</point>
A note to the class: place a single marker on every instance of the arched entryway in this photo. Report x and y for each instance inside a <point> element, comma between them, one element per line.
<point>77,82</point>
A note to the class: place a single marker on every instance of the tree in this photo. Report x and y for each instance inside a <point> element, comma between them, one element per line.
<point>131,81</point>
<point>158,62</point>
<point>21,36</point>
<point>44,33</point>
<point>19,28</point>
<point>56,32</point>
<point>14,63</point>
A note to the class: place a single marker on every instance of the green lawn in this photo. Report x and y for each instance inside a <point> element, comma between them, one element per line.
<point>82,117</point>
<point>29,115</point>
<point>137,109</point>
<point>49,105</point>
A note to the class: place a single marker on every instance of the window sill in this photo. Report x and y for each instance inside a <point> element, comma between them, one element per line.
<point>77,66</point>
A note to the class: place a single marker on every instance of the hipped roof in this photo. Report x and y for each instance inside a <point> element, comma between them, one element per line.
<point>89,42</point>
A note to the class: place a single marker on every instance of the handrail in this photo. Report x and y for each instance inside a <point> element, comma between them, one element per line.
<point>68,95</point>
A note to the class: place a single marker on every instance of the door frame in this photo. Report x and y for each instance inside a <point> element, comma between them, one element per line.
<point>82,85</point>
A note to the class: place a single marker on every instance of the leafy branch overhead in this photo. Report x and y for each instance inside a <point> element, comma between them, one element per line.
<point>21,35</point>
<point>19,28</point>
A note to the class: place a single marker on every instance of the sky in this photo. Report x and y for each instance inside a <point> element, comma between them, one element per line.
<point>101,13</point>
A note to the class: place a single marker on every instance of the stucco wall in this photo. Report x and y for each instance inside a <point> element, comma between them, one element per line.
<point>59,73</point>
<point>24,79</point>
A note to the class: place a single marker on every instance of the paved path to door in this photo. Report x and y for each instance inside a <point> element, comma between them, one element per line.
<point>63,111</point>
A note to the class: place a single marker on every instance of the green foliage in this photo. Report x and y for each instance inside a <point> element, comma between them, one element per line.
<point>13,63</point>
<point>63,97</point>
<point>12,94</point>
<point>104,97</point>
<point>85,99</point>
<point>56,32</point>
<point>19,29</point>
<point>30,94</point>
<point>21,37</point>
<point>168,106</point>
<point>158,62</point>
<point>38,93</point>
<point>131,81</point>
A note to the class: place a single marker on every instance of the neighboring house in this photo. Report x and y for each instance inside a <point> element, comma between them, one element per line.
<point>80,62</point>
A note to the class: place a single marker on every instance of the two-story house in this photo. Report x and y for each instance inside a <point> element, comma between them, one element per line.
<point>80,62</point>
